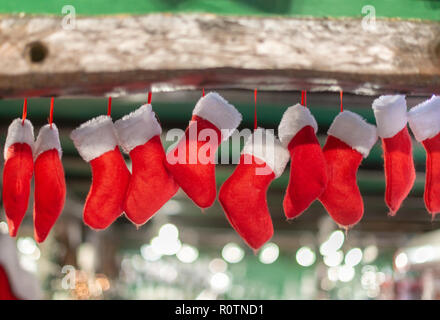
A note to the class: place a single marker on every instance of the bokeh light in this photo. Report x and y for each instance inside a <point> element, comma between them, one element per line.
<point>187,254</point>
<point>353,257</point>
<point>269,253</point>
<point>305,256</point>
<point>334,259</point>
<point>232,253</point>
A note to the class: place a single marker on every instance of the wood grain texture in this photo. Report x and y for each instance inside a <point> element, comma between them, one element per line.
<point>171,52</point>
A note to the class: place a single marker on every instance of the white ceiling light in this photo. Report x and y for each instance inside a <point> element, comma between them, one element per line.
<point>26,245</point>
<point>168,231</point>
<point>333,259</point>
<point>220,282</point>
<point>149,254</point>
<point>332,273</point>
<point>4,227</point>
<point>218,265</point>
<point>334,243</point>
<point>187,254</point>
<point>166,246</point>
<point>232,253</point>
<point>269,253</point>
<point>346,273</point>
<point>401,260</point>
<point>423,254</point>
<point>370,254</point>
<point>353,257</point>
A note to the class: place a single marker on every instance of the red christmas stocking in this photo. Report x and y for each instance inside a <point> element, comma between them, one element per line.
<point>192,161</point>
<point>17,172</point>
<point>5,287</point>
<point>151,186</point>
<point>243,195</point>
<point>350,138</point>
<point>50,184</point>
<point>424,121</point>
<point>400,174</point>
<point>97,143</point>
<point>308,172</point>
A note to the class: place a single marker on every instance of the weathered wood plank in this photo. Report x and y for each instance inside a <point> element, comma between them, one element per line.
<point>169,52</point>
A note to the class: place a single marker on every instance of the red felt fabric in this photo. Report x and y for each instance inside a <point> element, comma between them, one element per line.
<point>151,186</point>
<point>50,192</point>
<point>6,292</point>
<point>17,175</point>
<point>195,177</point>
<point>243,198</point>
<point>105,201</point>
<point>342,198</point>
<point>308,172</point>
<point>400,173</point>
<point>432,180</point>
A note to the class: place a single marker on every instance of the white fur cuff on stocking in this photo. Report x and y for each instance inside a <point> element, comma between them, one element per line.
<point>19,132</point>
<point>219,112</point>
<point>137,128</point>
<point>48,139</point>
<point>424,119</point>
<point>263,145</point>
<point>95,137</point>
<point>391,115</point>
<point>294,119</point>
<point>352,129</point>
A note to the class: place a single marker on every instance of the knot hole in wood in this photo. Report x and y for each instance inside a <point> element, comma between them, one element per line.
<point>37,52</point>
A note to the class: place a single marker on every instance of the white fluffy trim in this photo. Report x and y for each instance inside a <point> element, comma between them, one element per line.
<point>265,146</point>
<point>95,137</point>
<point>219,112</point>
<point>19,132</point>
<point>48,139</point>
<point>137,128</point>
<point>390,113</point>
<point>24,285</point>
<point>424,119</point>
<point>352,129</point>
<point>294,119</point>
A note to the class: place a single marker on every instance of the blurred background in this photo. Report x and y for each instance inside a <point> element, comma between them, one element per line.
<point>183,253</point>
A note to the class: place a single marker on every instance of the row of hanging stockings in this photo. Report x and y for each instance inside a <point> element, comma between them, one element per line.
<point>326,174</point>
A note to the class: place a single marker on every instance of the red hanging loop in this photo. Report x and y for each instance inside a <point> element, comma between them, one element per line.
<point>203,92</point>
<point>150,96</point>
<point>255,110</point>
<point>109,107</point>
<point>24,111</point>
<point>304,98</point>
<point>51,112</point>
<point>340,96</point>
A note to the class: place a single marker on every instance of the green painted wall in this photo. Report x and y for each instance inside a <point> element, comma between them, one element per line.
<point>417,9</point>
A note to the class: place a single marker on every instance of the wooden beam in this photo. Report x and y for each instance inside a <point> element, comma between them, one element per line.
<point>170,52</point>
